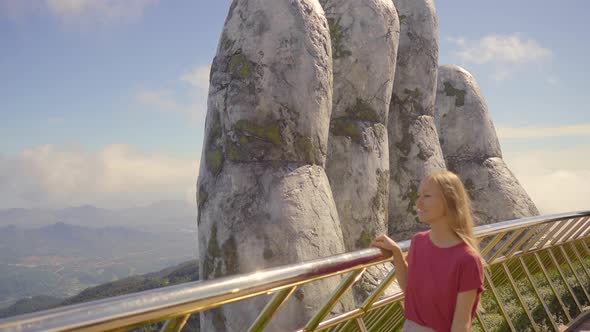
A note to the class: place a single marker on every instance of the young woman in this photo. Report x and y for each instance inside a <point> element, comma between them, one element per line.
<point>442,275</point>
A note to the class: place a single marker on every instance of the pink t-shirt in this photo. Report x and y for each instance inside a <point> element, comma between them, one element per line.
<point>435,277</point>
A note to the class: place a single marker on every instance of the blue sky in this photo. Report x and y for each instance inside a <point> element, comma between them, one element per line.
<point>103,102</point>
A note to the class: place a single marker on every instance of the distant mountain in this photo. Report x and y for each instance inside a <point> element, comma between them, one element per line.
<point>62,259</point>
<point>35,303</point>
<point>161,216</point>
<point>184,272</point>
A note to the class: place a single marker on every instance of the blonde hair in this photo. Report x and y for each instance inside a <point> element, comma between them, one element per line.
<point>458,207</point>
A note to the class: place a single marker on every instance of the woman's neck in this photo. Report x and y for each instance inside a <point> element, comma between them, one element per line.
<point>442,235</point>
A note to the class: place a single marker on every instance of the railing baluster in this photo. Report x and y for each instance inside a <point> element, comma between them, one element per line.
<point>380,320</point>
<point>583,229</point>
<point>480,320</point>
<point>389,278</point>
<point>567,313</point>
<point>519,297</point>
<point>580,259</point>
<point>175,324</point>
<point>552,233</point>
<point>568,236</point>
<point>569,225</point>
<point>585,246</point>
<point>571,266</point>
<point>381,315</point>
<point>560,272</point>
<point>537,238</point>
<point>492,243</point>
<point>498,301</point>
<point>271,308</point>
<point>395,318</point>
<point>505,245</point>
<point>361,325</point>
<point>524,239</point>
<point>532,282</point>
<point>338,293</point>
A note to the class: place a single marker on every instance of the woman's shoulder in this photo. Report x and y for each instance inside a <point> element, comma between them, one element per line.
<point>469,256</point>
<point>420,235</point>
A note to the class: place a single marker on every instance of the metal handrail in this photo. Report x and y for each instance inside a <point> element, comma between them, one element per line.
<point>175,303</point>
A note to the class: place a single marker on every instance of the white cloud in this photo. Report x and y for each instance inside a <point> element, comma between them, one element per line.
<point>114,176</point>
<point>193,85</point>
<point>98,12</point>
<point>78,12</point>
<point>506,53</point>
<point>542,132</point>
<point>512,49</point>
<point>198,77</point>
<point>556,180</point>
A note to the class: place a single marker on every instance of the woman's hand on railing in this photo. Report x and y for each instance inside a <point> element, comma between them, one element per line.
<point>384,242</point>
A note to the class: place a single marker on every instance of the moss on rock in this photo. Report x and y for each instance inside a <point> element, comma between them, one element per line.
<point>412,196</point>
<point>362,110</point>
<point>240,66</point>
<point>304,146</point>
<point>214,160</point>
<point>230,255</point>
<point>346,127</point>
<point>336,36</point>
<point>270,132</point>
<point>365,239</point>
<point>459,94</point>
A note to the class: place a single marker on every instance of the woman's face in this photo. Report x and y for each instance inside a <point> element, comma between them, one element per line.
<point>431,205</point>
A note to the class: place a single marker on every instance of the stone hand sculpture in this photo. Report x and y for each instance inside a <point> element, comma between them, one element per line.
<point>472,150</point>
<point>320,125</point>
<point>264,197</point>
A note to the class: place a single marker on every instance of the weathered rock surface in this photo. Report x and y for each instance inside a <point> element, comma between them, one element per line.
<point>414,150</point>
<point>264,198</point>
<point>364,36</point>
<point>472,150</point>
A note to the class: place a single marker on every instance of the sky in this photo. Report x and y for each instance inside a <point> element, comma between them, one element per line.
<point>103,102</point>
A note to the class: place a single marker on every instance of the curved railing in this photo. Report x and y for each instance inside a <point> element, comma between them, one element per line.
<point>537,276</point>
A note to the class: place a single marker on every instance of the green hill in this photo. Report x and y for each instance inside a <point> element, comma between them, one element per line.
<point>185,272</point>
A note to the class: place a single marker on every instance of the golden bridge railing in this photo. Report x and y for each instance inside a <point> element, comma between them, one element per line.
<point>537,277</point>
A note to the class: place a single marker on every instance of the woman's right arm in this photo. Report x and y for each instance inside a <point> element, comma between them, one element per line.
<point>399,261</point>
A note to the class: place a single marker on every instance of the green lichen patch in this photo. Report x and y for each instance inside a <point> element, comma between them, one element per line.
<point>243,140</point>
<point>267,253</point>
<point>270,132</point>
<point>407,140</point>
<point>232,152</point>
<point>215,130</point>
<point>229,251</point>
<point>336,36</point>
<point>362,110</point>
<point>402,18</point>
<point>304,147</point>
<point>213,253</point>
<point>214,160</point>
<point>380,132</point>
<point>412,196</point>
<point>240,66</point>
<point>202,197</point>
<point>346,127</point>
<point>459,94</point>
<point>365,239</point>
<point>299,295</point>
<point>469,185</point>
